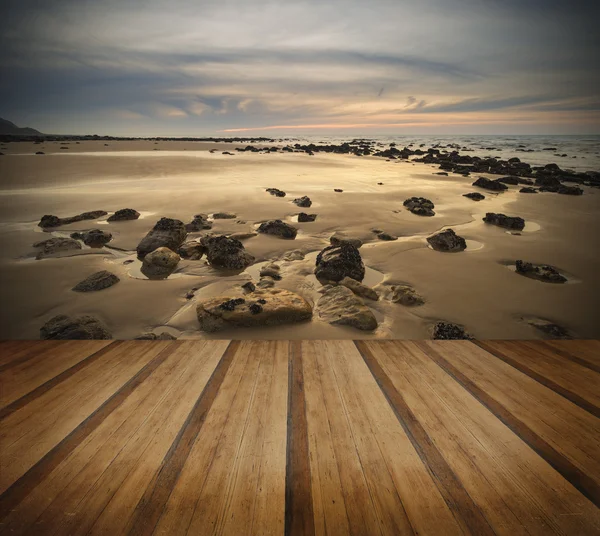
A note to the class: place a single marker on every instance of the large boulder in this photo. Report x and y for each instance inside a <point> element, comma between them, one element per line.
<point>48,220</point>
<point>420,206</point>
<point>336,262</point>
<point>52,246</point>
<point>263,307</point>
<point>124,214</point>
<point>502,220</point>
<point>278,228</point>
<point>167,233</point>
<point>226,253</point>
<point>340,306</point>
<point>447,240</point>
<point>97,281</point>
<point>82,327</point>
<point>488,184</point>
<point>449,331</point>
<point>94,238</point>
<point>543,272</point>
<point>160,263</point>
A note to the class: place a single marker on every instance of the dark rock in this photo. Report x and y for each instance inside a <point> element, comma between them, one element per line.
<point>449,331</point>
<point>338,190</point>
<point>271,270</point>
<point>167,233</point>
<point>54,221</point>
<point>337,239</point>
<point>570,190</point>
<point>40,152</point>
<point>230,305</point>
<point>149,336</point>
<point>94,238</point>
<point>63,327</point>
<point>543,272</point>
<point>226,253</point>
<point>224,216</point>
<point>255,309</point>
<point>278,228</point>
<point>447,241</point>
<point>387,237</point>
<point>502,220</point>
<point>509,180</point>
<point>276,192</point>
<point>304,218</point>
<point>475,196</point>
<point>554,331</point>
<point>482,182</point>
<point>420,206</point>
<point>124,214</point>
<point>249,287</point>
<point>199,223</point>
<point>303,201</point>
<point>528,190</point>
<point>336,262</point>
<point>98,281</point>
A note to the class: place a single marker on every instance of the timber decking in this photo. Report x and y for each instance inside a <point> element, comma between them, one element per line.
<point>300,437</point>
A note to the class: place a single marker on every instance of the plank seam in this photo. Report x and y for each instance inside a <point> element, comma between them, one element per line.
<point>565,354</point>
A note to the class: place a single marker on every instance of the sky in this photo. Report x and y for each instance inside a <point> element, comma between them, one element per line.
<point>272,68</point>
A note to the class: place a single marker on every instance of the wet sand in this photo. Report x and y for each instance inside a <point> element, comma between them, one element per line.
<point>475,288</point>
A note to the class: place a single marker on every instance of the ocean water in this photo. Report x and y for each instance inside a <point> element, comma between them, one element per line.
<point>578,153</point>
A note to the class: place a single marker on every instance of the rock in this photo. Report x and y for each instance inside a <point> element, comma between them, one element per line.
<point>447,240</point>
<point>276,192</point>
<point>249,287</point>
<point>167,233</point>
<point>336,262</point>
<point>63,327</point>
<point>547,181</point>
<point>278,228</point>
<point>420,206</point>
<point>124,214</point>
<point>339,190</point>
<point>449,331</point>
<point>509,180</point>
<point>40,152</point>
<point>550,328</point>
<point>543,272</point>
<point>406,295</point>
<point>160,263</point>
<point>295,255</point>
<point>94,238</point>
<point>48,221</point>
<point>266,282</point>
<point>528,190</point>
<point>303,201</point>
<point>98,281</point>
<point>475,196</point>
<point>226,253</point>
<point>224,216</point>
<point>149,336</point>
<point>303,217</point>
<point>359,289</point>
<point>192,250</point>
<point>482,182</point>
<point>569,190</point>
<point>508,222</point>
<point>443,173</point>
<point>338,305</point>
<point>277,306</point>
<point>271,270</point>
<point>243,235</point>
<point>338,239</point>
<point>199,223</point>
<point>386,236</point>
<point>52,246</point>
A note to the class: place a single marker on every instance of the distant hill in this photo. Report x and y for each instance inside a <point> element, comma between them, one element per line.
<point>10,129</point>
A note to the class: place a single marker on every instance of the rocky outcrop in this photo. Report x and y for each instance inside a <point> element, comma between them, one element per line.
<point>447,241</point>
<point>336,262</point>
<point>192,250</point>
<point>124,214</point>
<point>303,201</point>
<point>406,295</point>
<point>359,289</point>
<point>542,272</point>
<point>226,253</point>
<point>303,217</point>
<point>475,196</point>
<point>502,220</point>
<point>278,228</point>
<point>488,184</point>
<point>263,307</point>
<point>199,223</point>
<point>167,232</point>
<point>94,238</point>
<point>340,306</point>
<point>276,192</point>
<point>160,263</point>
<point>52,246</point>
<point>420,206</point>
<point>63,327</point>
<point>449,331</point>
<point>49,221</point>
<point>97,281</point>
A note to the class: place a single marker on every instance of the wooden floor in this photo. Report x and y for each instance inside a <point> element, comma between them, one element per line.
<point>301,437</point>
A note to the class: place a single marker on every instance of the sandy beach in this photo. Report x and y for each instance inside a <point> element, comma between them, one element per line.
<point>476,288</point>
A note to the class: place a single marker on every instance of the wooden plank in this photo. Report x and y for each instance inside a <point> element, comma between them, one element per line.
<point>575,383</point>
<point>18,391</point>
<point>561,433</point>
<point>299,517</point>
<point>584,353</point>
<point>18,488</point>
<point>515,488</point>
<point>14,353</point>
<point>467,512</point>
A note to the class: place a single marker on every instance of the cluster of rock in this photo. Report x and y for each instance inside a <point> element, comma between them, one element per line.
<point>94,238</point>
<point>502,220</point>
<point>543,272</point>
<point>420,206</point>
<point>199,223</point>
